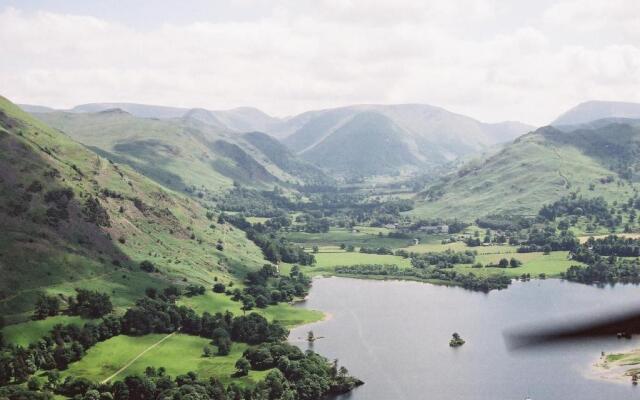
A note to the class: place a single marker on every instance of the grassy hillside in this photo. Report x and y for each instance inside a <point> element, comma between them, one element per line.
<point>195,153</point>
<point>537,168</point>
<point>72,218</point>
<point>369,144</point>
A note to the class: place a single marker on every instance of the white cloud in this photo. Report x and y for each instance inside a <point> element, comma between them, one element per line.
<point>463,55</point>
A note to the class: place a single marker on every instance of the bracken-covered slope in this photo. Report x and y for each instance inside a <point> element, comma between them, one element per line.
<point>195,152</point>
<point>539,168</point>
<point>71,218</point>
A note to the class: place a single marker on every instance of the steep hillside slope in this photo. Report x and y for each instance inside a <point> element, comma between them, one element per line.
<point>281,156</point>
<point>194,153</point>
<point>369,144</point>
<point>432,134</point>
<point>539,168</point>
<point>594,110</point>
<point>71,218</point>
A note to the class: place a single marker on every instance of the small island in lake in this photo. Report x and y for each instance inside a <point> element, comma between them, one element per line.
<point>456,340</point>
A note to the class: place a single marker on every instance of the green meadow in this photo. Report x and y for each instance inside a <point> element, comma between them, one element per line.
<point>552,265</point>
<point>286,314</point>
<point>178,354</point>
<point>363,237</point>
<point>28,332</point>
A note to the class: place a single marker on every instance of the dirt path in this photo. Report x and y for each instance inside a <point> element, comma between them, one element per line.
<point>127,365</point>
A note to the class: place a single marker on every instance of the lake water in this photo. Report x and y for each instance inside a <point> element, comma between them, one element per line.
<point>394,335</point>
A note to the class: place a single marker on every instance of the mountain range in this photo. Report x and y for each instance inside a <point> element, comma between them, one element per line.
<point>360,140</point>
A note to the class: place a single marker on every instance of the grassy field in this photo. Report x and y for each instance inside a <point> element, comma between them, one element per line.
<point>31,331</point>
<point>533,263</point>
<point>333,256</point>
<point>178,354</point>
<point>367,237</point>
<point>285,314</point>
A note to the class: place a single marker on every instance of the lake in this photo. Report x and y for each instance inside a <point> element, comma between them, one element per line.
<point>394,335</point>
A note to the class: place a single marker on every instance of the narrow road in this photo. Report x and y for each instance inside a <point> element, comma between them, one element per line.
<point>127,365</point>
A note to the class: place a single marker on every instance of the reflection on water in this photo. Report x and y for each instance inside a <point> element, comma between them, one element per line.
<point>395,336</point>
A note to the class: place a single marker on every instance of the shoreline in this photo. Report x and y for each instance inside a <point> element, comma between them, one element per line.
<point>617,372</point>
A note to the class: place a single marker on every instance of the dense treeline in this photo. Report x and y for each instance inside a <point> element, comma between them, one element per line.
<point>504,222</point>
<point>376,250</point>
<point>341,206</point>
<point>468,281</point>
<point>549,239</point>
<point>294,375</point>
<point>445,259</point>
<point>275,248</point>
<point>266,286</point>
<point>86,303</point>
<point>576,205</point>
<point>255,203</point>
<point>609,270</point>
<point>612,245</point>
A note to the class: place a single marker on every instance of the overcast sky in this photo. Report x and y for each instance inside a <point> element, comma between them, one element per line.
<point>492,60</point>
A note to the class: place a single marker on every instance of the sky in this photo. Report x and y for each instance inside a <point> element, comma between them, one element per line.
<point>489,59</point>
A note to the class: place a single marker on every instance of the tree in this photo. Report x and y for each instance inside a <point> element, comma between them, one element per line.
<point>248,302</point>
<point>33,384</point>
<point>207,352</point>
<point>515,263</point>
<point>224,346</point>
<point>90,304</point>
<point>503,263</point>
<point>261,301</point>
<point>315,249</point>
<point>219,287</point>
<point>242,367</point>
<point>46,306</point>
<point>147,266</point>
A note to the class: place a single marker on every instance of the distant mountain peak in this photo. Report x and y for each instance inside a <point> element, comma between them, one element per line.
<point>593,110</point>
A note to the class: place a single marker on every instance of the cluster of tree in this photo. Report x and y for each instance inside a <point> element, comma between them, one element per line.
<point>274,247</point>
<point>376,250</point>
<point>266,286</point>
<point>445,259</point>
<point>295,376</point>
<point>293,363</point>
<point>576,205</point>
<point>605,270</point>
<point>468,281</point>
<point>549,239</point>
<point>90,304</point>
<point>506,263</point>
<point>255,203</point>
<point>65,344</point>
<point>504,222</point>
<point>86,303</point>
<point>310,223</point>
<point>158,316</point>
<point>594,249</point>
